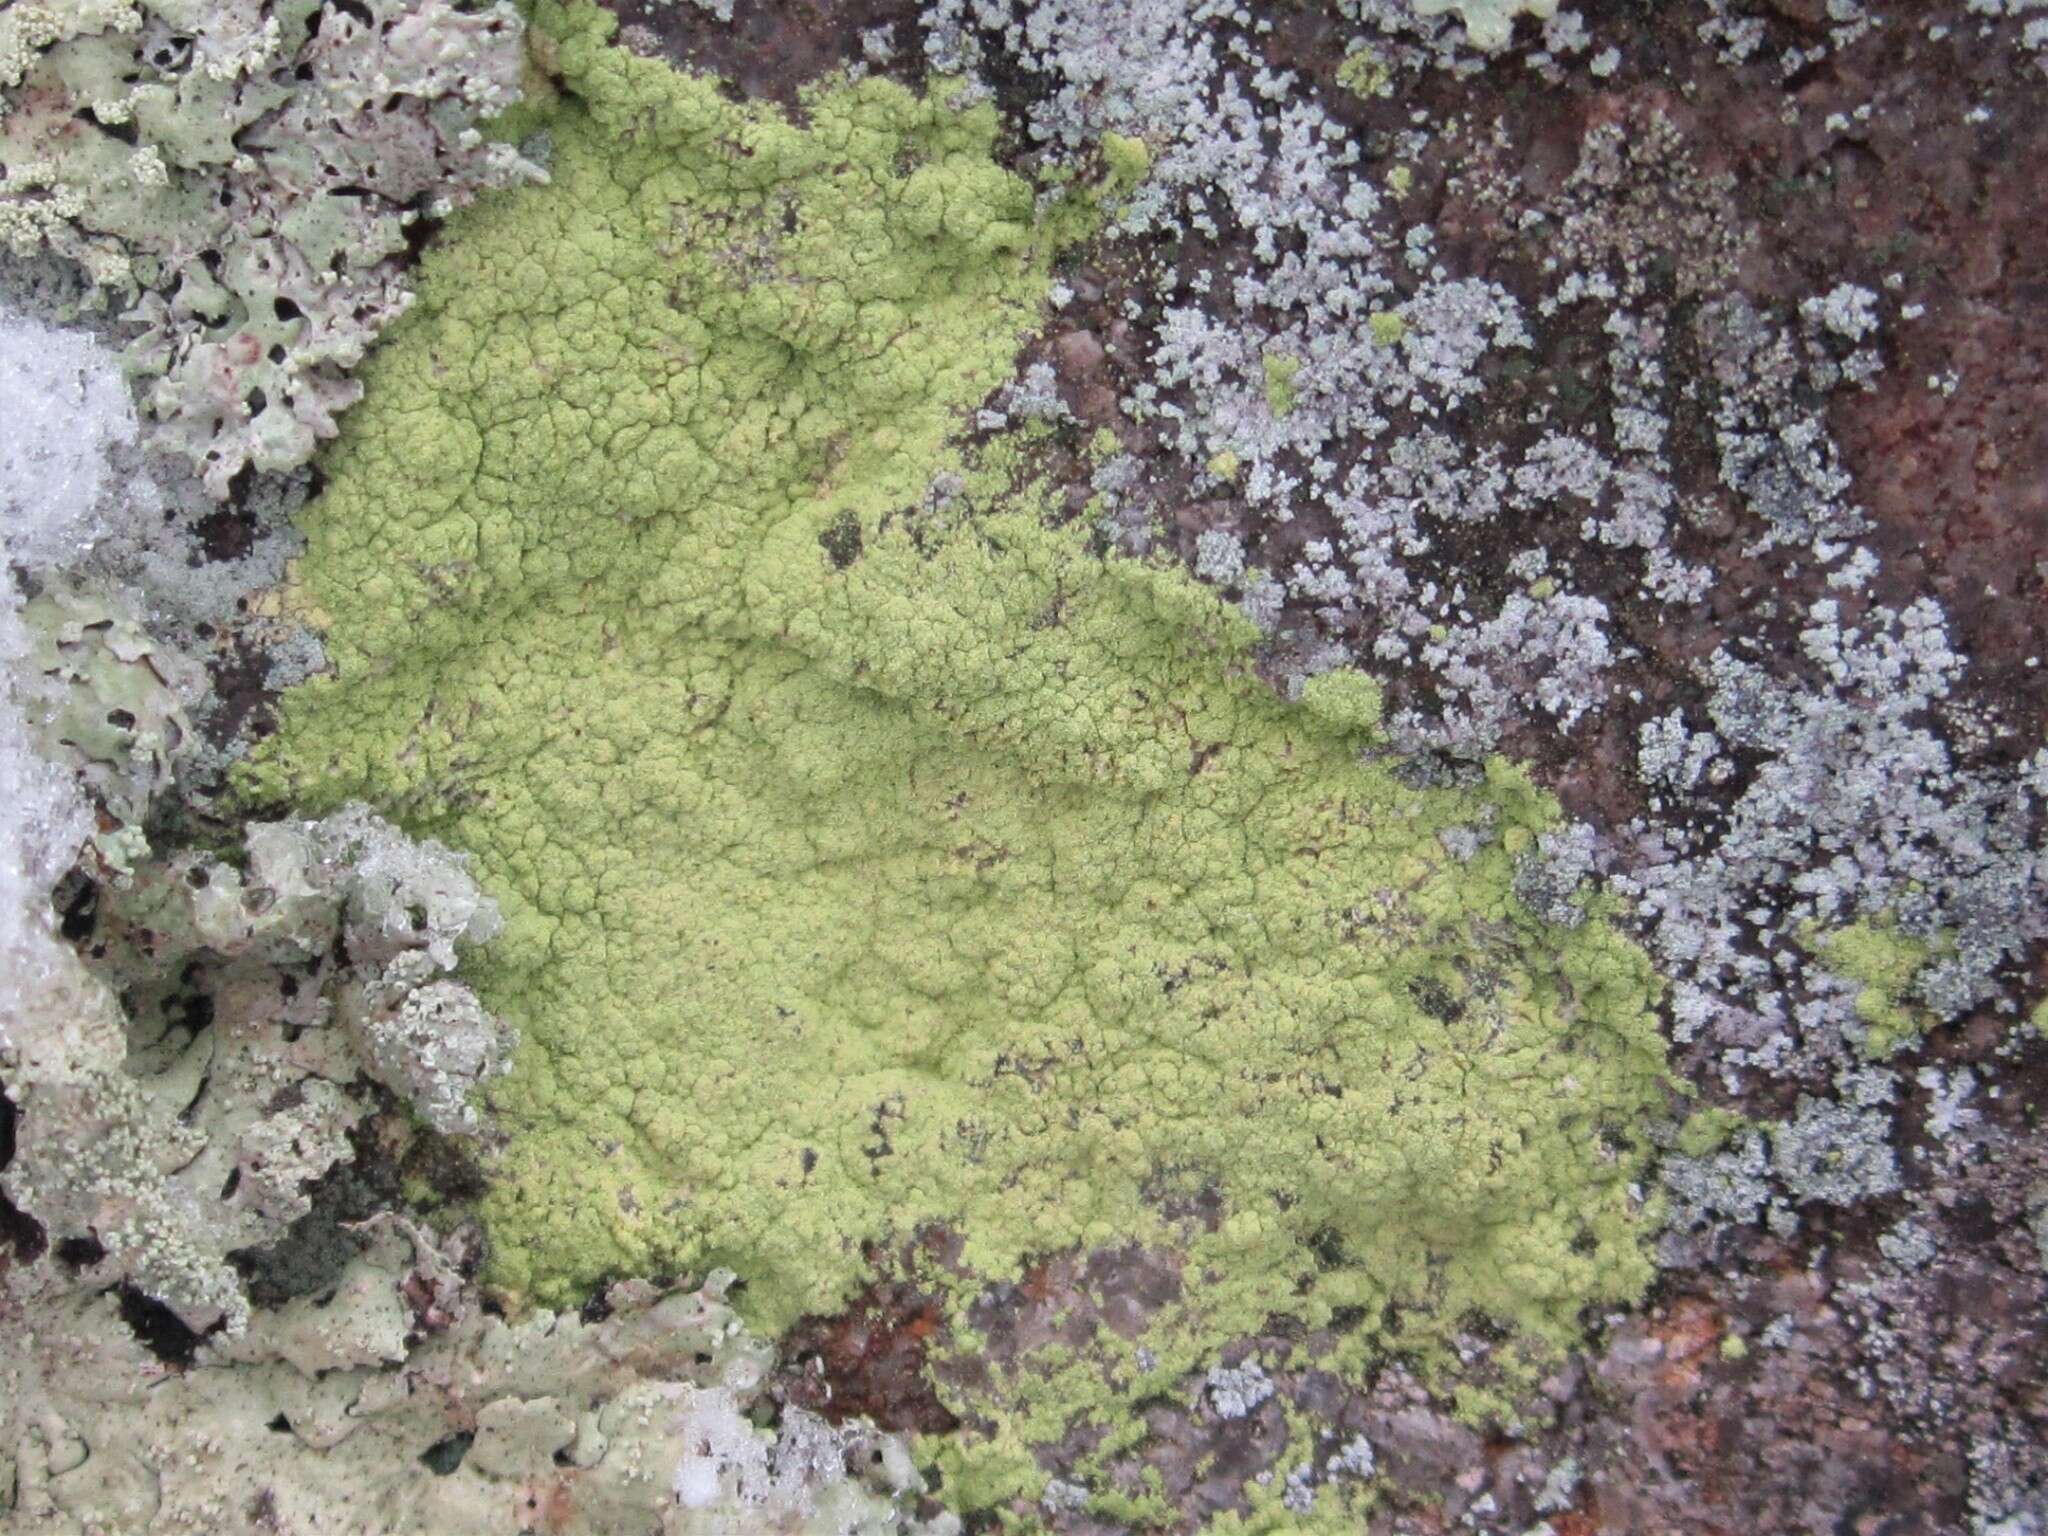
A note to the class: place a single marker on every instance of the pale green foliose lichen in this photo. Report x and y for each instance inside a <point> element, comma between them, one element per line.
<point>874,860</point>
<point>240,179</point>
<point>393,1403</point>
<point>176,1088</point>
<point>107,702</point>
<point>163,1145</point>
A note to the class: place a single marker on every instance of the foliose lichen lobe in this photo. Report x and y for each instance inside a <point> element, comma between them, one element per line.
<point>240,181</point>
<point>874,858</point>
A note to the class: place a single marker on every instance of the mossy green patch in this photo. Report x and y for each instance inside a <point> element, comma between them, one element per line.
<point>1882,959</point>
<point>1129,160</point>
<point>1707,1131</point>
<point>1346,701</point>
<point>1280,371</point>
<point>1366,74</point>
<point>874,855</point>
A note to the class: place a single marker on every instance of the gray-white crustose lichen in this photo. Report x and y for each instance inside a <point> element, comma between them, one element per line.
<point>1329,279</point>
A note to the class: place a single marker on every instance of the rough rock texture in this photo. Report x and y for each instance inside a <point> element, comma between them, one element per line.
<point>1649,393</point>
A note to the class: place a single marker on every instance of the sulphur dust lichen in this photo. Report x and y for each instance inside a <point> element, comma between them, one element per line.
<point>1882,961</point>
<point>873,855</point>
<point>1282,394</point>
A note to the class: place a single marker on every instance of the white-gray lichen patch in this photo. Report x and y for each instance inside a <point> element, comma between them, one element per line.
<point>1236,1390</point>
<point>1851,809</point>
<point>1838,1154</point>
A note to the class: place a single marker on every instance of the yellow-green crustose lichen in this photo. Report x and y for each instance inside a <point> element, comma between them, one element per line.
<point>1281,392</point>
<point>872,854</point>
<point>1883,960</point>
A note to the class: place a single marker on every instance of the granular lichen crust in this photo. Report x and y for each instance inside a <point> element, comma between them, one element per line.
<point>875,856</point>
